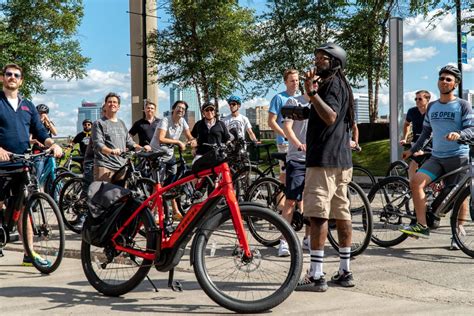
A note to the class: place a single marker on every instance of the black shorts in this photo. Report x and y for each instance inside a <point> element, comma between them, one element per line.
<point>9,186</point>
<point>295,174</point>
<point>436,167</point>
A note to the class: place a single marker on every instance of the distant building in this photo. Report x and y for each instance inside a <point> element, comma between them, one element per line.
<point>88,110</point>
<point>361,108</point>
<point>468,95</point>
<point>258,116</point>
<point>186,94</point>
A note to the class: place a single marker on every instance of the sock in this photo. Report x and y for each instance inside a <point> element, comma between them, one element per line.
<point>316,268</point>
<point>345,259</point>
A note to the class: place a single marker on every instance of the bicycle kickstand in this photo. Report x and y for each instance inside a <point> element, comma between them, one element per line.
<point>174,285</point>
<point>148,278</point>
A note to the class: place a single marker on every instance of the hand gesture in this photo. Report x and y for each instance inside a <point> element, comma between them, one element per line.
<point>308,81</point>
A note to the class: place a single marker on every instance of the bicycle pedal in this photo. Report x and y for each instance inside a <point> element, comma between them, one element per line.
<point>176,286</point>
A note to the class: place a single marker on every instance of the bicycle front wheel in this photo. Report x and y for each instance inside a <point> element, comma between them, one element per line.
<point>363,177</point>
<point>238,283</point>
<point>361,218</point>
<point>270,193</point>
<point>392,207</point>
<point>43,229</point>
<point>113,272</point>
<point>462,222</point>
<point>398,168</point>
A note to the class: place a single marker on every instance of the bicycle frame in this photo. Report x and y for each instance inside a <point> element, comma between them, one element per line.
<point>224,188</point>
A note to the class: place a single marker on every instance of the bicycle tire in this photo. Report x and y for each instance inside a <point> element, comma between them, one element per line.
<point>363,177</point>
<point>73,203</point>
<point>115,273</point>
<point>42,213</point>
<point>463,234</point>
<point>392,207</point>
<point>262,284</point>
<point>59,183</point>
<point>398,168</point>
<point>268,192</point>
<point>243,180</point>
<point>361,216</point>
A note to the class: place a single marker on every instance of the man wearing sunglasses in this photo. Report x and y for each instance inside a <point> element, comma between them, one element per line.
<point>415,117</point>
<point>19,118</point>
<point>238,121</point>
<point>447,119</point>
<point>83,137</point>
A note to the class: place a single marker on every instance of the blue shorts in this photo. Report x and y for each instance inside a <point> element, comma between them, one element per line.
<point>295,174</point>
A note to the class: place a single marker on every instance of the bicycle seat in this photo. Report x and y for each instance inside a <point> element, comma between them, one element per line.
<point>279,156</point>
<point>79,159</point>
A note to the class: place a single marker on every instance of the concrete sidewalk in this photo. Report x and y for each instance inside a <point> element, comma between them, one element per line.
<point>417,277</point>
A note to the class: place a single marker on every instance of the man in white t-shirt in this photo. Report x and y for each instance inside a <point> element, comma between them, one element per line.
<point>237,121</point>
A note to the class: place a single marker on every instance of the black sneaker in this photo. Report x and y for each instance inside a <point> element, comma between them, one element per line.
<point>310,284</point>
<point>345,279</point>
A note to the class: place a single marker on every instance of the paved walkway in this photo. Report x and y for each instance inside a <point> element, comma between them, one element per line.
<point>417,277</point>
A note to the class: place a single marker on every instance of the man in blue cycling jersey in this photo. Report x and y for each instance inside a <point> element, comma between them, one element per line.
<point>447,119</point>
<point>19,118</point>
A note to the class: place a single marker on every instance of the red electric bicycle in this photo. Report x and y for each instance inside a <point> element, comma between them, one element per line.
<point>231,266</point>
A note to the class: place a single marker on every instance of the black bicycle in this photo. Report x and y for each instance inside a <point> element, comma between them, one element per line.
<point>40,221</point>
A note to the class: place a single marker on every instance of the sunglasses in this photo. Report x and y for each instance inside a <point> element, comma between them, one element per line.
<point>233,104</point>
<point>323,58</point>
<point>209,110</point>
<point>447,79</point>
<point>418,99</point>
<point>12,74</point>
<point>87,124</point>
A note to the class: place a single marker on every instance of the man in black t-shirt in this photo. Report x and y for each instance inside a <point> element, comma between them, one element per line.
<point>83,137</point>
<point>145,127</point>
<point>415,117</point>
<point>328,164</point>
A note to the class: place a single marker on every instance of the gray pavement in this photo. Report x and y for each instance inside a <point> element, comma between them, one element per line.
<point>416,277</point>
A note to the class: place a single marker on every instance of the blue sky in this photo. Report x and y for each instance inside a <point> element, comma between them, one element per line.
<point>104,37</point>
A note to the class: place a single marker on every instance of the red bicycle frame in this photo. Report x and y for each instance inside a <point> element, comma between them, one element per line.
<point>155,201</point>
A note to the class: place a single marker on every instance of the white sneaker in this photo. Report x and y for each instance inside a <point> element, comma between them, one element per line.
<point>283,250</point>
<point>454,245</point>
<point>305,245</point>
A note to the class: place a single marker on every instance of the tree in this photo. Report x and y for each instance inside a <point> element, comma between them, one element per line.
<point>286,36</point>
<point>39,35</point>
<point>203,47</point>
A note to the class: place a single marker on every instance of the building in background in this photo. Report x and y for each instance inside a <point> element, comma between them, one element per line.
<point>361,108</point>
<point>258,116</point>
<point>468,95</point>
<point>190,96</point>
<point>88,110</point>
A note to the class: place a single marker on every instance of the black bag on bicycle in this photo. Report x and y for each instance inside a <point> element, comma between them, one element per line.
<point>209,160</point>
<point>109,205</point>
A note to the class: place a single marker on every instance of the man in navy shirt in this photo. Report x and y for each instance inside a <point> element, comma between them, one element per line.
<point>19,117</point>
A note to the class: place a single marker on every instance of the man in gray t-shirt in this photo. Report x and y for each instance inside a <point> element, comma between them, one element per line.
<point>110,138</point>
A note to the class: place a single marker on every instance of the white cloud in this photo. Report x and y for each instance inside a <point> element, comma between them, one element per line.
<point>442,30</point>
<point>469,67</point>
<point>419,54</point>
<point>255,102</point>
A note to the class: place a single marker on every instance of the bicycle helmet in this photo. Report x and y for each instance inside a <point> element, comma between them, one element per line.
<point>234,98</point>
<point>208,105</point>
<point>86,121</point>
<point>42,108</point>
<point>451,70</point>
<point>335,51</point>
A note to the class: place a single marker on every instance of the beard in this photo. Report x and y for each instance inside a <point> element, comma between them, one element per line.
<point>87,129</point>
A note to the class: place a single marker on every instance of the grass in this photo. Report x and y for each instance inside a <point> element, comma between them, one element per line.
<point>374,156</point>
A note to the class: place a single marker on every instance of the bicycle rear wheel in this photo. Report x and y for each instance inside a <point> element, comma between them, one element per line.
<point>392,207</point>
<point>361,216</point>
<point>270,193</point>
<point>462,223</point>
<point>73,203</point>
<point>244,178</point>
<point>245,285</point>
<point>42,220</point>
<point>113,272</point>
<point>59,183</point>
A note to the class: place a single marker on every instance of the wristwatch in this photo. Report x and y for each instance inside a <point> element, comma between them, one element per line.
<point>312,93</point>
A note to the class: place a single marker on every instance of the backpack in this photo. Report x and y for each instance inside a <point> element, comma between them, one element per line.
<point>109,206</point>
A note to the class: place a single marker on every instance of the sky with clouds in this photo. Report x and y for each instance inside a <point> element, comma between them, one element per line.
<point>104,37</point>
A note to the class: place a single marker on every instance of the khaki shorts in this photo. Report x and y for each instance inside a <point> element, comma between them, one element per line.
<point>106,174</point>
<point>282,148</point>
<point>325,193</point>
